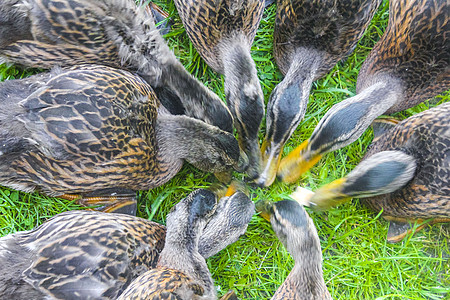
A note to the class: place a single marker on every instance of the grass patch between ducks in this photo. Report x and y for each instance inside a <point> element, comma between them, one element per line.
<point>358,262</point>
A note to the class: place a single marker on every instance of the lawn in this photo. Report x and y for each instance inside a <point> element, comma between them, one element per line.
<point>358,262</point>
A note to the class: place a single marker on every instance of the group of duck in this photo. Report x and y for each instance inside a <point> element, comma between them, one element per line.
<point>117,113</point>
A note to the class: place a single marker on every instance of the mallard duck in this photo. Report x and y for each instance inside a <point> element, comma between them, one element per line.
<point>296,230</point>
<point>408,65</point>
<point>98,134</point>
<point>405,173</point>
<point>223,32</point>
<point>310,37</point>
<point>181,272</point>
<point>92,255</point>
<point>44,34</point>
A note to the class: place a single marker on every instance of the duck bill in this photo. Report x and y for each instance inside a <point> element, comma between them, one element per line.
<point>251,158</point>
<point>297,163</point>
<point>222,190</point>
<point>329,195</point>
<point>271,157</point>
<point>236,186</point>
<point>302,196</point>
<point>264,208</point>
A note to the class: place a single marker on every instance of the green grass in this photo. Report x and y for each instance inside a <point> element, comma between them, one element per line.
<point>358,262</point>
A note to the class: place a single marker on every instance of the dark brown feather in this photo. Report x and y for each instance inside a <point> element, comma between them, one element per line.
<point>79,254</point>
<point>332,27</point>
<point>426,137</point>
<point>415,48</point>
<point>209,22</point>
<point>89,128</point>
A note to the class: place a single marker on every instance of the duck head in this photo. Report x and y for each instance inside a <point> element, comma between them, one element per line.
<point>381,173</point>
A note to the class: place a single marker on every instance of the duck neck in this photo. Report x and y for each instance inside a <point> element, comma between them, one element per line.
<point>238,66</point>
<point>181,253</point>
<point>198,101</point>
<point>304,65</point>
<point>170,156</point>
<point>245,98</point>
<point>306,280</point>
<point>183,238</point>
<point>346,121</point>
<point>182,138</point>
<point>242,88</point>
<point>306,277</point>
<point>290,97</point>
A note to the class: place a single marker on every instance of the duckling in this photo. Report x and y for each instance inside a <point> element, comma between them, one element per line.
<point>223,32</point>
<point>296,230</point>
<point>78,255</point>
<point>408,65</point>
<point>405,173</point>
<point>92,255</point>
<point>98,134</point>
<point>181,271</point>
<point>44,34</point>
<point>310,37</point>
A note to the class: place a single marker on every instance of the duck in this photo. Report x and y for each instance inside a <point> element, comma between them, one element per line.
<point>310,37</point>
<point>181,271</point>
<point>296,231</point>
<point>96,134</point>
<point>223,32</point>
<point>115,33</point>
<point>92,255</point>
<point>408,65</point>
<point>405,174</point>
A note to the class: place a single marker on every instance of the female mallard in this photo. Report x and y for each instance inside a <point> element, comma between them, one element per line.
<point>407,66</point>
<point>97,134</point>
<point>223,32</point>
<point>310,38</point>
<point>48,33</point>
<point>406,173</point>
<point>296,230</point>
<point>92,255</point>
<point>181,271</point>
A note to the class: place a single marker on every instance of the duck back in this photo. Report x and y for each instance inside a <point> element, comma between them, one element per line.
<point>331,27</point>
<point>78,255</point>
<point>415,49</point>
<point>73,129</point>
<point>211,22</point>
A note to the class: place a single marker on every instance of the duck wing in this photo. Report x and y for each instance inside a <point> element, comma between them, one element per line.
<point>91,255</point>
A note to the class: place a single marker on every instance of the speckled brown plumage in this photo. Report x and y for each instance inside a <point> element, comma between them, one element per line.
<point>93,128</point>
<point>67,32</point>
<point>79,255</point>
<point>331,27</point>
<point>209,23</point>
<point>163,283</point>
<point>48,33</point>
<point>85,129</point>
<point>223,32</point>
<point>426,137</point>
<point>415,49</point>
